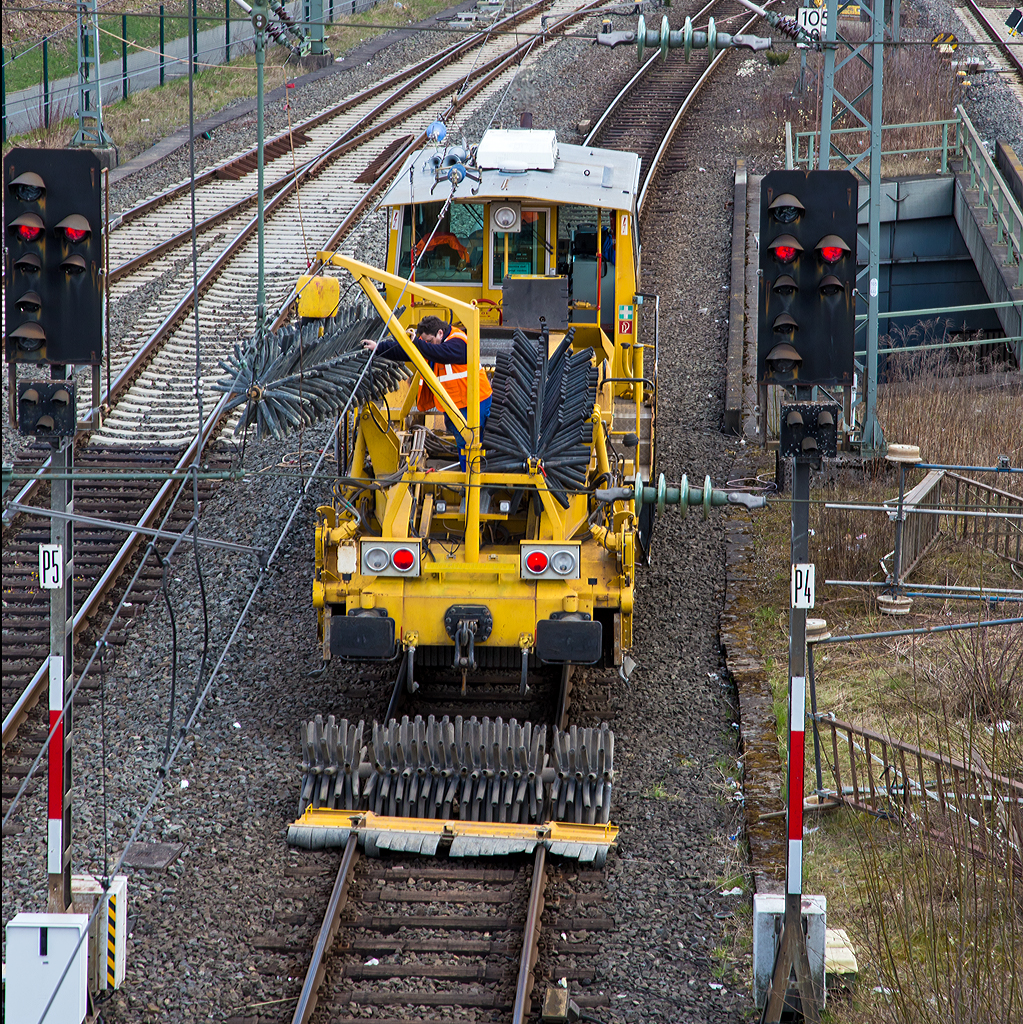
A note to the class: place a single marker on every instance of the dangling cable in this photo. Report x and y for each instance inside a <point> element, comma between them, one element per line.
<point>165,564</point>
<point>103,759</point>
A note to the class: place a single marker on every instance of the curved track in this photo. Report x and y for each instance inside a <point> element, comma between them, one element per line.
<point>647,114</point>
<point>152,400</point>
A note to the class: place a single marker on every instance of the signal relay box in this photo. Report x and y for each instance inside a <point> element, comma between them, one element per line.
<point>39,947</point>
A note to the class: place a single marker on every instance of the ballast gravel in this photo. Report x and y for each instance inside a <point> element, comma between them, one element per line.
<point>224,933</point>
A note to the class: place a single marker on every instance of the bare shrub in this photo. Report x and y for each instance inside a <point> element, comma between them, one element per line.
<point>919,85</point>
<point>950,405</point>
<point>849,544</point>
<point>983,674</point>
<point>943,891</point>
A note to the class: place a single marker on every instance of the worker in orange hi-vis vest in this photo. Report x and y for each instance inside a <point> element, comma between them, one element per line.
<point>439,241</point>
<point>446,347</point>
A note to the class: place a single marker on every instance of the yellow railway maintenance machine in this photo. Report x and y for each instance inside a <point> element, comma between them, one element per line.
<point>529,553</point>
<point>549,233</point>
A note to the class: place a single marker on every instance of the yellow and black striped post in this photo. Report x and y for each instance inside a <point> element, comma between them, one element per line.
<point>111,939</point>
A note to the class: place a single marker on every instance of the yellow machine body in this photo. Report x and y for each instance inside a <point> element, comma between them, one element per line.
<point>468,533</point>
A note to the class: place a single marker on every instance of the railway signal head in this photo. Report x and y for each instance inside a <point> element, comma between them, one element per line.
<point>54,256</point>
<point>806,308</point>
<point>46,409</point>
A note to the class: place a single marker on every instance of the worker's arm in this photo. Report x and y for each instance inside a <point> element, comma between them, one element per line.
<point>452,350</point>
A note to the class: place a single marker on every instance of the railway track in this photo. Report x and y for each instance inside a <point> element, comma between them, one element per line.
<point>440,940</point>
<point>152,400</point>
<point>648,114</point>
<point>991,21</point>
<point>448,937</point>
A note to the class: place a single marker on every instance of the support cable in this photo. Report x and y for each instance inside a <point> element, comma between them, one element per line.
<point>161,779</point>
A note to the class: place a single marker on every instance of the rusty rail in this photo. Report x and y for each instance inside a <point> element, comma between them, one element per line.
<point>530,939</point>
<point>328,930</point>
<point>887,777</point>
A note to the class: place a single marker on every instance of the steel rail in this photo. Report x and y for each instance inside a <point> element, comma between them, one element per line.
<point>669,135</point>
<point>995,38</point>
<point>531,939</point>
<point>37,686</point>
<point>446,54</point>
<point>328,930</point>
<point>339,147</point>
<point>39,681</point>
<point>631,84</point>
<point>431,67</point>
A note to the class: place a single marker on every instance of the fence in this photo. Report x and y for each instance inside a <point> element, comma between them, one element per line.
<point>887,778</point>
<point>216,40</point>
<point>920,531</point>
<point>978,513</point>
<point>994,532</point>
<point>994,196</point>
<point>948,141</point>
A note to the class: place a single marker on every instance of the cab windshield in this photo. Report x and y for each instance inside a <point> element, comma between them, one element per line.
<point>451,253</point>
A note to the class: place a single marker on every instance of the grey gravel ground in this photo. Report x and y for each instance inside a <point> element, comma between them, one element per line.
<point>230,795</point>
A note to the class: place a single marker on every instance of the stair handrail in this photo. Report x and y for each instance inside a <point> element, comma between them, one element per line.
<point>995,196</point>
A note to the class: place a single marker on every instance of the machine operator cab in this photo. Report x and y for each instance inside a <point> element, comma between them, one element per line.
<point>546,238</point>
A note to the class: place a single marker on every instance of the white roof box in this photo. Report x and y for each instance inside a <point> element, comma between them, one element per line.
<point>519,149</point>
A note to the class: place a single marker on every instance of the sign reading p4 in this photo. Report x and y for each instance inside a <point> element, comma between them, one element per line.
<point>803,585</point>
<point>807,303</point>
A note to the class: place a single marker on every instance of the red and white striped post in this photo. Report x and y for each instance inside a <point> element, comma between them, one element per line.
<point>55,798</point>
<point>58,841</point>
<point>797,736</point>
<point>791,958</point>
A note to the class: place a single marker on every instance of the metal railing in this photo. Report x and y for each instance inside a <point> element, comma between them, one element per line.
<point>994,196</point>
<point>920,532</point>
<point>949,144</point>
<point>892,779</point>
<point>994,532</point>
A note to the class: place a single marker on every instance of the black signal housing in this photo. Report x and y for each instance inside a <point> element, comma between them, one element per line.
<point>46,409</point>
<point>53,233</point>
<point>809,431</point>
<point>807,303</point>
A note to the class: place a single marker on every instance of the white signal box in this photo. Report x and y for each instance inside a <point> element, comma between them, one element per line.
<point>39,947</point>
<point>109,929</point>
<point>768,915</point>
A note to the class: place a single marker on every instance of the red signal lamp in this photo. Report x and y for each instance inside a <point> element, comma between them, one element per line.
<point>403,559</point>
<point>28,227</point>
<point>536,562</point>
<point>74,228</point>
<point>785,248</point>
<point>832,248</point>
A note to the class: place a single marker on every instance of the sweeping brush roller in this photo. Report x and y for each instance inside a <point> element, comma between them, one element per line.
<point>483,769</point>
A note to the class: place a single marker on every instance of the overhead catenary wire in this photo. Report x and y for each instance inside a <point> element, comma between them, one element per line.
<point>187,727</point>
